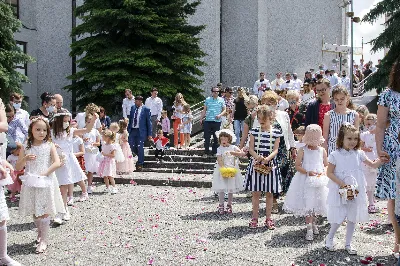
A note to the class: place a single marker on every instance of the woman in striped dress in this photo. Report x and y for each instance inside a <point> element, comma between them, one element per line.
<point>263,147</point>
<point>334,119</point>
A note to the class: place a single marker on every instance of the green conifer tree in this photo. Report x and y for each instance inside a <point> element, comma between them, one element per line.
<point>136,44</point>
<point>389,38</point>
<point>10,54</point>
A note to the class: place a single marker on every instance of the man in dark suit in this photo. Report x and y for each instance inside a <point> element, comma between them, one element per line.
<point>139,128</point>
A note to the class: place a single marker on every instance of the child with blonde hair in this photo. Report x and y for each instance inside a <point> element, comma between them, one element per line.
<point>368,145</point>
<point>107,167</point>
<point>307,193</point>
<point>186,126</point>
<point>128,165</point>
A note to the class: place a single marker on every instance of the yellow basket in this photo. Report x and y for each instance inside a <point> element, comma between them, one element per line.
<point>228,172</point>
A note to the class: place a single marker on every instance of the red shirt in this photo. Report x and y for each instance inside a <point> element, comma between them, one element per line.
<point>323,109</point>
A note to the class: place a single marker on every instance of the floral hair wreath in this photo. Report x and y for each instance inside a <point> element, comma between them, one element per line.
<point>41,118</point>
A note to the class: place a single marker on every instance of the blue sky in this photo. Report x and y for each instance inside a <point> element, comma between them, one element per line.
<point>366,30</point>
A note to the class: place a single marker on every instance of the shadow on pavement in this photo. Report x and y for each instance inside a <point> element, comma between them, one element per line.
<point>237,232</point>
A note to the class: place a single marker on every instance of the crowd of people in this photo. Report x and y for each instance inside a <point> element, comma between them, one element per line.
<point>304,139</point>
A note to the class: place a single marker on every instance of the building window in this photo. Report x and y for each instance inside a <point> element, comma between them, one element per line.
<point>15,6</point>
<point>22,68</point>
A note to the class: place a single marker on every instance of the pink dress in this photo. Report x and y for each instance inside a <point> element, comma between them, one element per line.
<point>108,166</point>
<point>128,165</point>
<point>16,186</point>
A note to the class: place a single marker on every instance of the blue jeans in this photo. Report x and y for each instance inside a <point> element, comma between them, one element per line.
<point>210,128</point>
<point>238,127</point>
<point>136,142</point>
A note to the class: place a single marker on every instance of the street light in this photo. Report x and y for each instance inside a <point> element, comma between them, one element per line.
<point>354,19</point>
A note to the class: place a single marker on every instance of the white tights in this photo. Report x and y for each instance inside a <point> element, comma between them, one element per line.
<point>221,196</point>
<point>349,232</point>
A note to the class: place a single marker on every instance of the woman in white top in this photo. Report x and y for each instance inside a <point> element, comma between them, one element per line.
<point>177,117</point>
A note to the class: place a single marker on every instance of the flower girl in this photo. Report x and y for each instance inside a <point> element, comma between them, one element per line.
<point>128,165</point>
<point>347,198</point>
<point>40,193</point>
<point>308,192</point>
<point>227,177</point>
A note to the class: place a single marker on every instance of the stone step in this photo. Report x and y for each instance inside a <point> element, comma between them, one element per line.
<point>161,169</point>
<point>177,166</point>
<point>198,152</point>
<point>189,158</point>
<point>163,179</point>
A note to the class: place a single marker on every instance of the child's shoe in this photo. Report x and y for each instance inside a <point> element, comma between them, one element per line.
<point>221,209</point>
<point>269,223</point>
<point>329,244</point>
<point>253,223</point>
<point>350,250</point>
<point>83,197</point>
<point>114,190</point>
<point>310,235</point>
<point>372,209</point>
<point>228,209</point>
<point>70,201</point>
<point>13,199</point>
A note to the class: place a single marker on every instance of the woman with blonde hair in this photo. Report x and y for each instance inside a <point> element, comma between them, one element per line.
<point>251,103</point>
<point>177,117</point>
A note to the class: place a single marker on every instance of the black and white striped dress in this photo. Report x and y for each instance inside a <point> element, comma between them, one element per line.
<point>336,120</point>
<point>256,181</point>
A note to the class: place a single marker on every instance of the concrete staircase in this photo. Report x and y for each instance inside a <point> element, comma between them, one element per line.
<point>184,161</point>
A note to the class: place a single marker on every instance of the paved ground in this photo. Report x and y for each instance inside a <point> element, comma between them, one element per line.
<point>147,225</point>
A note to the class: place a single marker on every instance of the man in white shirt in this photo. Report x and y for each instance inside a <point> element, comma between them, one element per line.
<point>345,82</point>
<point>127,103</point>
<point>20,114</point>
<point>288,84</point>
<point>276,83</point>
<point>297,83</point>
<point>334,79</point>
<point>155,105</point>
<point>261,85</point>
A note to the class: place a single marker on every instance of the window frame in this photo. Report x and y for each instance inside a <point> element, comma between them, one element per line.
<point>24,50</point>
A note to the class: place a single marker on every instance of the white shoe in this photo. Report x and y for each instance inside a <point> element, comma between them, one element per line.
<point>310,235</point>
<point>315,229</point>
<point>114,190</point>
<point>58,219</point>
<point>83,197</point>
<point>70,201</point>
<point>329,244</point>
<point>9,261</point>
<point>89,190</point>
<point>67,216</point>
<point>350,250</point>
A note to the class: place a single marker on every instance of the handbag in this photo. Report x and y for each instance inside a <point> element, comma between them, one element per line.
<point>350,191</point>
<point>37,181</point>
<point>261,168</point>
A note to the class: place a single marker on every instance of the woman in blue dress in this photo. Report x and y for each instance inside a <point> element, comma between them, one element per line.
<point>388,147</point>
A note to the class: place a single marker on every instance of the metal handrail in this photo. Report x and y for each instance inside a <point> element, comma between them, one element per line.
<point>361,85</point>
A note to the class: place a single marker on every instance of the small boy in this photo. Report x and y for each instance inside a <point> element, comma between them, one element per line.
<point>299,134</point>
<point>165,124</point>
<point>160,141</point>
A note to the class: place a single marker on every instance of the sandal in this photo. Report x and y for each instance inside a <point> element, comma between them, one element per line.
<point>221,209</point>
<point>269,223</point>
<point>253,223</point>
<point>372,209</point>
<point>228,209</point>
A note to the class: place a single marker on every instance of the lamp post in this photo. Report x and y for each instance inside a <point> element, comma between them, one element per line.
<point>350,14</point>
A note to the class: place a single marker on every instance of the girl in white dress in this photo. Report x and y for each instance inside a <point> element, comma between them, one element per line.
<point>336,117</point>
<point>307,193</point>
<point>4,216</point>
<point>119,155</point>
<point>92,142</point>
<point>347,177</point>
<point>368,145</point>
<point>70,173</point>
<point>40,192</point>
<point>227,160</point>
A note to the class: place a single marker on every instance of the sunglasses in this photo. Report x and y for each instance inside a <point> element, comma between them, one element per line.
<point>321,90</point>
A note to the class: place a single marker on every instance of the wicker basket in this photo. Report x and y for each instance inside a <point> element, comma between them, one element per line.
<point>264,169</point>
<point>228,172</point>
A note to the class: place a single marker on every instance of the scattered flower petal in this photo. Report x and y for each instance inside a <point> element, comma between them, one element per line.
<point>189,257</point>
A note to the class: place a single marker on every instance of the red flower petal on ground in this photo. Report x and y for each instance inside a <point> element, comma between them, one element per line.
<point>310,261</point>
<point>150,262</point>
<point>369,258</point>
<point>364,261</point>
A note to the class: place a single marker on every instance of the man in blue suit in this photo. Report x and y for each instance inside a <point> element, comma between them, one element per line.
<point>139,129</point>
